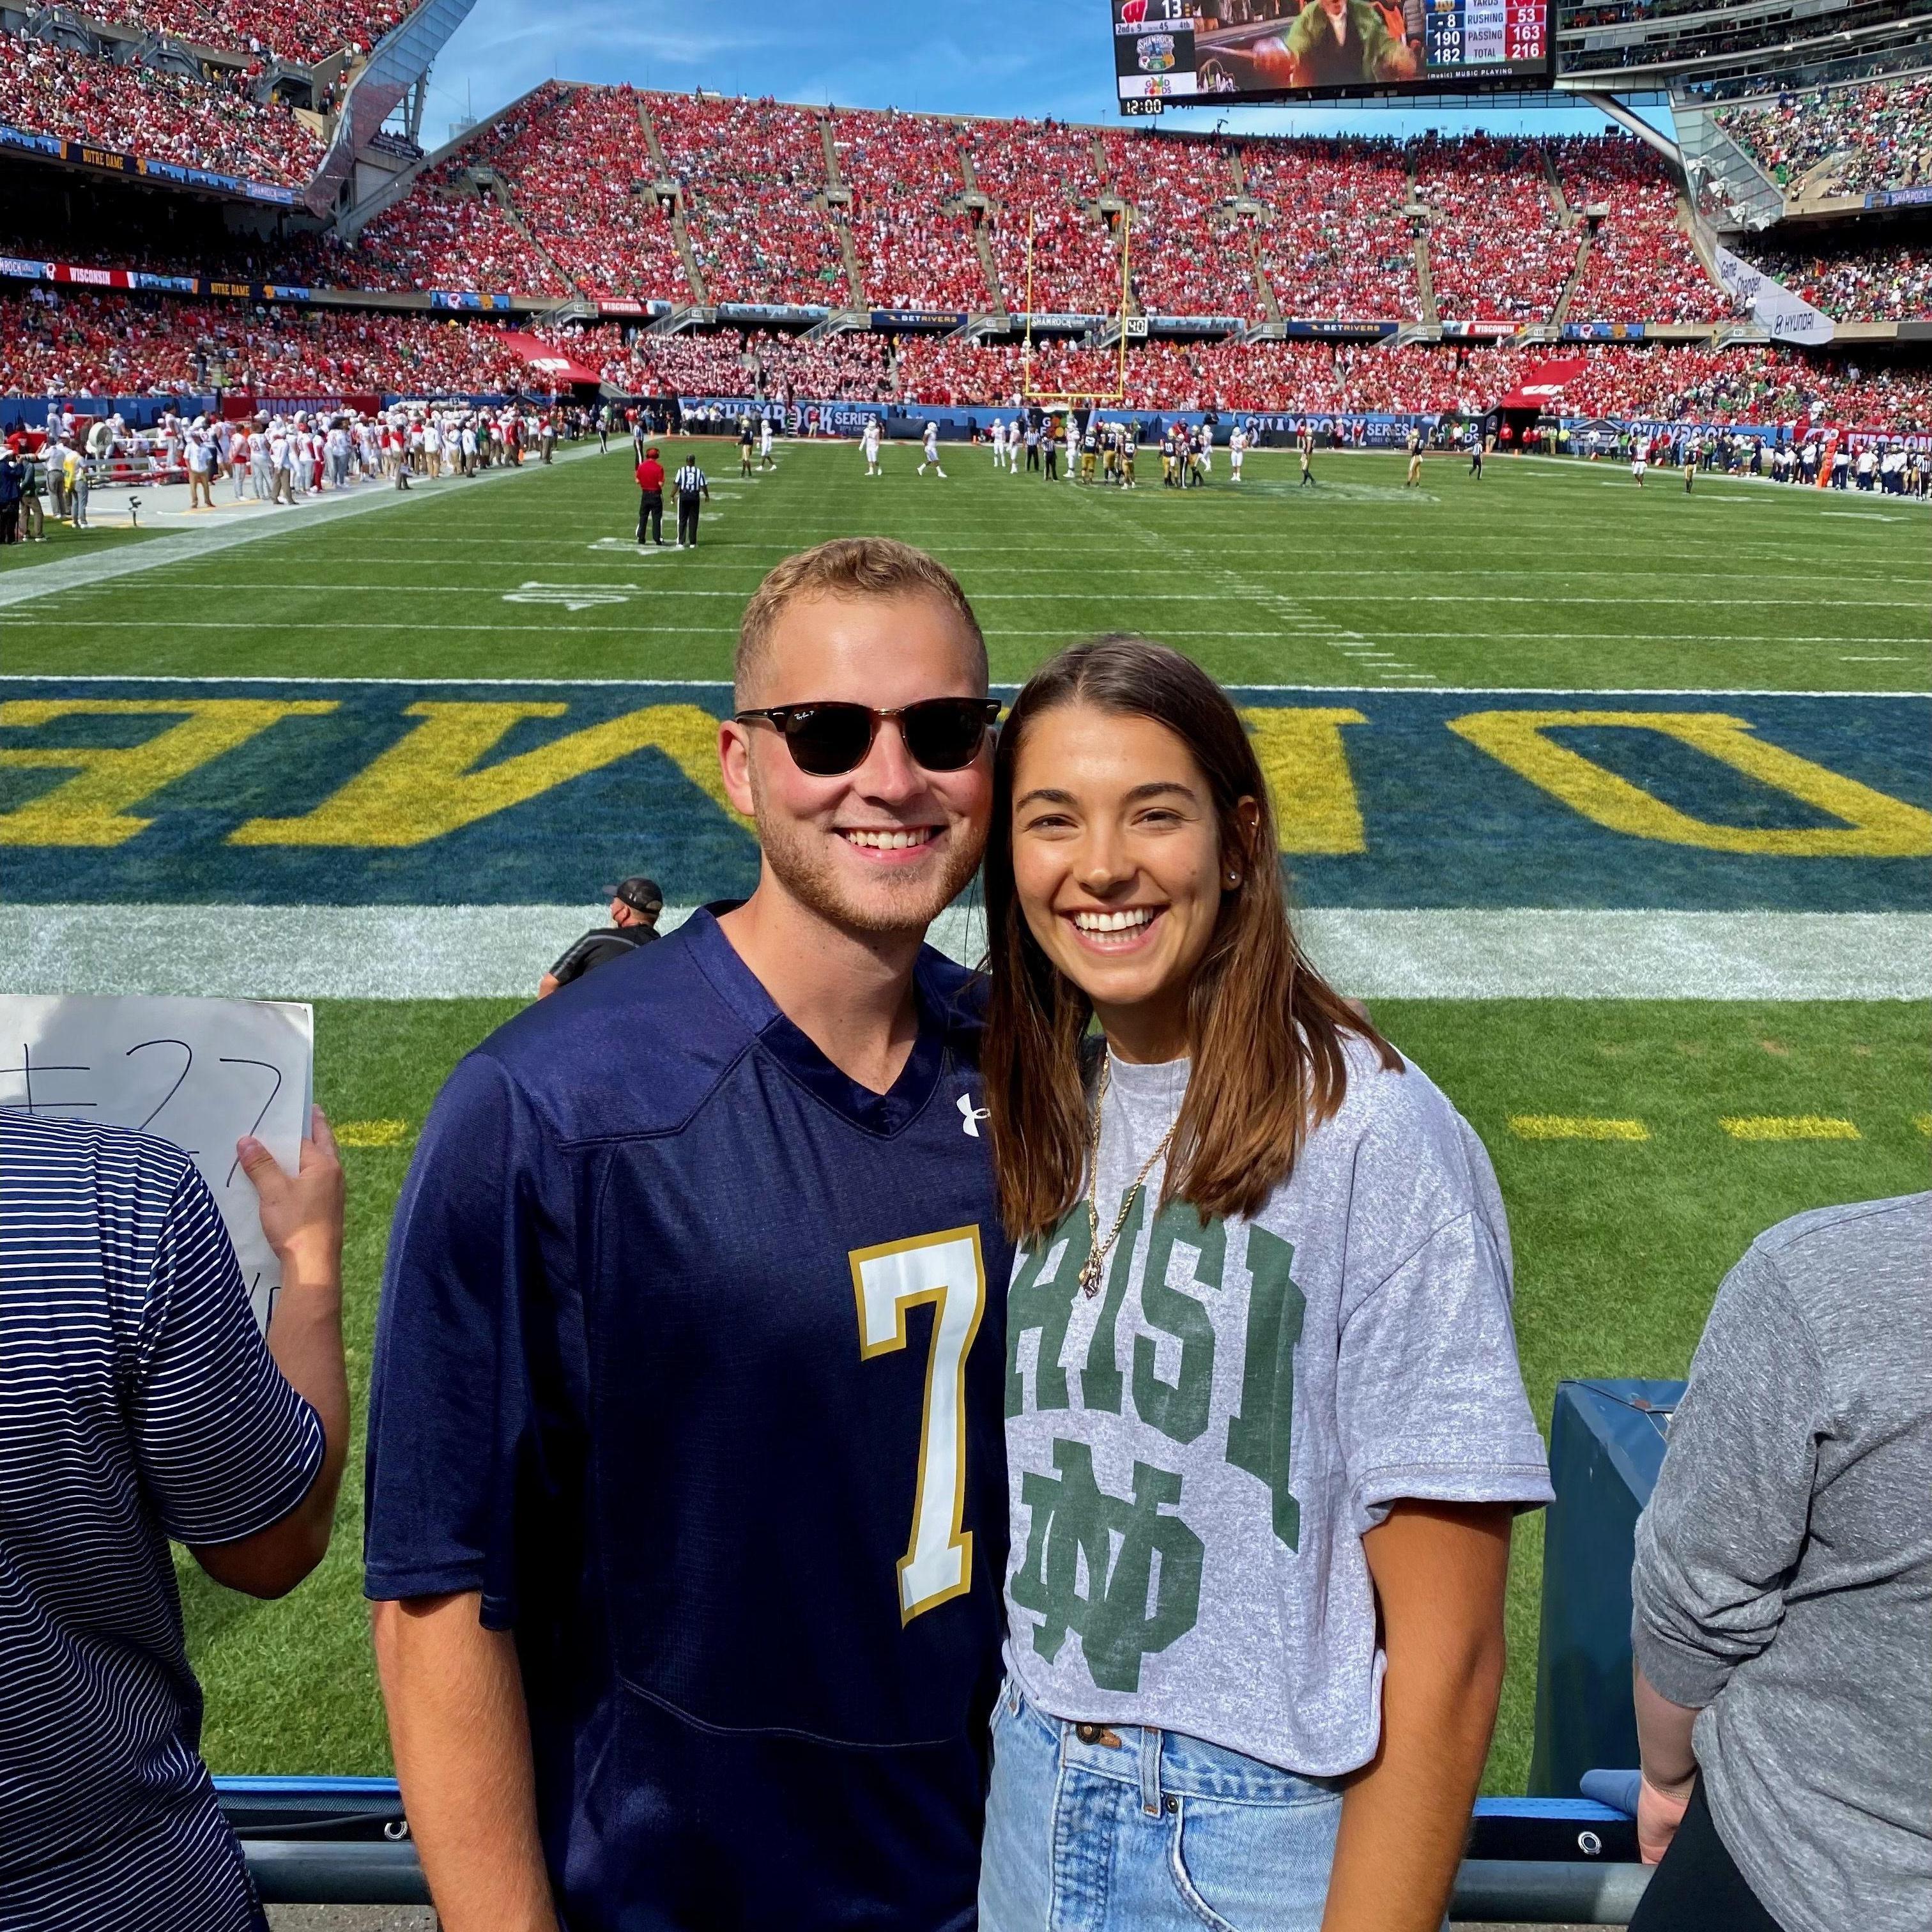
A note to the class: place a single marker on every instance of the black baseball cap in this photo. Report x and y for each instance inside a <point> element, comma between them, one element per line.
<point>640,894</point>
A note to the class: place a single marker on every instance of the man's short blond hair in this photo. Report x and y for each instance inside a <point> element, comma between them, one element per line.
<point>847,567</point>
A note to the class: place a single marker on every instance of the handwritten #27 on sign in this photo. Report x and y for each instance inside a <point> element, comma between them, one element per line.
<point>199,1072</point>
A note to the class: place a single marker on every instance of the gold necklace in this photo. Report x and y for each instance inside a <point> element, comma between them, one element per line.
<point>1097,1250</point>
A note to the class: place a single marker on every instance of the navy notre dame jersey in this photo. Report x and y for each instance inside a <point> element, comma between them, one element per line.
<point>691,1361</point>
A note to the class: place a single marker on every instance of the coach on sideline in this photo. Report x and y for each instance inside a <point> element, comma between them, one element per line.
<point>1782,1588</point>
<point>138,1403</point>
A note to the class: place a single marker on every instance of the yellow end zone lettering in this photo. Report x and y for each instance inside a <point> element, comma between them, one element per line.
<point>93,807</point>
<point>1307,767</point>
<point>1875,825</point>
<point>427,786</point>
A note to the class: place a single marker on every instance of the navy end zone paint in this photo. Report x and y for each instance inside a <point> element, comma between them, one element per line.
<point>149,791</point>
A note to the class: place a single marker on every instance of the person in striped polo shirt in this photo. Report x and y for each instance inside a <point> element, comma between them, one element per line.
<point>138,1403</point>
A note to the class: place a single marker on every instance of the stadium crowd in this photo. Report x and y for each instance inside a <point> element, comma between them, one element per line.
<point>407,244</point>
<point>299,31</point>
<point>1041,176</point>
<point>102,343</point>
<point>1494,248</point>
<point>1873,136</point>
<point>1189,254</point>
<point>1877,282</point>
<point>754,173</point>
<point>902,169</point>
<point>1335,241</point>
<point>214,123</point>
<point>1641,266</point>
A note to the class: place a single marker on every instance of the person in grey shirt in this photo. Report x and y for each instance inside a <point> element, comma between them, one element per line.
<point>1783,1593</point>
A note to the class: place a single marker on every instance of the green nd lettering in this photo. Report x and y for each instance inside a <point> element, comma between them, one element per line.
<point>1072,1517</point>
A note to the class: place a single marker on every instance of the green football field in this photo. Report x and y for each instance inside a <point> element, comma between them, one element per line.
<point>1548,686</point>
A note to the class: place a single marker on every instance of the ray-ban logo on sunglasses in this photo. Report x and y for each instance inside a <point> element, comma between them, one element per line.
<point>942,734</point>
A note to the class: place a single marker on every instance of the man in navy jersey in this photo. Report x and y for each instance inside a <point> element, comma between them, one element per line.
<point>685,1498</point>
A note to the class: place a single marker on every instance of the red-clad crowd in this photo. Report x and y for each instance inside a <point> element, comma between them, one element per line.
<point>413,243</point>
<point>300,31</point>
<point>901,170</point>
<point>1882,282</point>
<point>1189,252</point>
<point>1641,266</point>
<point>98,344</point>
<point>1042,178</point>
<point>851,368</point>
<point>754,180</point>
<point>1335,242</point>
<point>110,344</point>
<point>1873,137</point>
<point>216,123</point>
<point>1495,247</point>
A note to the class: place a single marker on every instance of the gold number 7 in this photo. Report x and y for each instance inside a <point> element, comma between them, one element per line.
<point>949,1270</point>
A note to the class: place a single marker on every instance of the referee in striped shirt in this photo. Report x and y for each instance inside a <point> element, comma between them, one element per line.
<point>690,484</point>
<point>138,1403</point>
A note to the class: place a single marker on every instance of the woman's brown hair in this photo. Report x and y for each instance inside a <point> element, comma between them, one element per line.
<point>1265,1029</point>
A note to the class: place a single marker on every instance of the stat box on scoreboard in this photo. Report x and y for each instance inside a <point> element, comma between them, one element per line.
<point>1180,53</point>
<point>1607,1445</point>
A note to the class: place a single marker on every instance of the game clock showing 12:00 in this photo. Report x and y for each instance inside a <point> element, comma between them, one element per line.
<point>1181,52</point>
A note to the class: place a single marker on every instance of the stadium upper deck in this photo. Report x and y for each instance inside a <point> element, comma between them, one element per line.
<point>692,200</point>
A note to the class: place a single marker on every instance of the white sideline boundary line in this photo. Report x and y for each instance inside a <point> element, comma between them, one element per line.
<point>725,684</point>
<point>422,952</point>
<point>31,581</point>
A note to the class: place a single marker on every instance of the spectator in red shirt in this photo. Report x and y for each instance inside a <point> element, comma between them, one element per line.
<point>650,503</point>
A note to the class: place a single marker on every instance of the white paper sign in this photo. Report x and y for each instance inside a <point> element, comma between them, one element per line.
<point>199,1072</point>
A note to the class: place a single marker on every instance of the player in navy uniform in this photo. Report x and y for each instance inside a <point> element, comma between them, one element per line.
<point>686,1517</point>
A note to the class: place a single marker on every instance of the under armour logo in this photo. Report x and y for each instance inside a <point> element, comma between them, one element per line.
<point>970,1116</point>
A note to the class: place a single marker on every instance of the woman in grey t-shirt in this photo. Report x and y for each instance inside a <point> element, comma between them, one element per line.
<point>1265,1426</point>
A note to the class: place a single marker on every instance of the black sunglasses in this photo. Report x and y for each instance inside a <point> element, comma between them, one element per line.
<point>943,734</point>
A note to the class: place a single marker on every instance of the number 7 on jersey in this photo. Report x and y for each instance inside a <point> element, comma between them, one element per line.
<point>948,1270</point>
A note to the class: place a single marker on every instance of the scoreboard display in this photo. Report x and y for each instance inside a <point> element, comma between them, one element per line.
<point>1187,52</point>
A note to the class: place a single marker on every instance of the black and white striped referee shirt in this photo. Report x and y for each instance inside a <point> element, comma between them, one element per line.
<point>137,1402</point>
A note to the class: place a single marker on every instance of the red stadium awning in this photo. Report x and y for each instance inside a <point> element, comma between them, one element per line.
<point>1543,384</point>
<point>547,360</point>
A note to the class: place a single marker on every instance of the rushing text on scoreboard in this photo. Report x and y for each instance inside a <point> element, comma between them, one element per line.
<point>1182,51</point>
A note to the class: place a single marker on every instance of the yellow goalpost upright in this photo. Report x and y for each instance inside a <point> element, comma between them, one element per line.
<point>1028,393</point>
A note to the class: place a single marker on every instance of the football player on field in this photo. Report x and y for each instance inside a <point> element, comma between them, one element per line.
<point>686,1521</point>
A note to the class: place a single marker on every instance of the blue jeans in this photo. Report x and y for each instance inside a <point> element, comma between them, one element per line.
<point>1092,1828</point>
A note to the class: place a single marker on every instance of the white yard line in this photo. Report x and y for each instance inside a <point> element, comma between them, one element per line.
<point>417,952</point>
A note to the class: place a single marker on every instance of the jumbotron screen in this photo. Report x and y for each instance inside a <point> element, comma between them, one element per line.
<point>1183,52</point>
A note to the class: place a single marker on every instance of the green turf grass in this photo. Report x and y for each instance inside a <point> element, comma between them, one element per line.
<point>1620,1245</point>
<point>1545,574</point>
<point>64,543</point>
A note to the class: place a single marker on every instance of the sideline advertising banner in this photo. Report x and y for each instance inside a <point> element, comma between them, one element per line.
<point>1789,318</point>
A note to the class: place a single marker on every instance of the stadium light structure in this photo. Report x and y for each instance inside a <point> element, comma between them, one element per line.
<point>1028,393</point>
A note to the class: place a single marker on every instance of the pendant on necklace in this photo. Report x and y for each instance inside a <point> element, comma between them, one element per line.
<point>1090,1275</point>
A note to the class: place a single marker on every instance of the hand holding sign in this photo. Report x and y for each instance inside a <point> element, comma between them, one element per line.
<point>207,1075</point>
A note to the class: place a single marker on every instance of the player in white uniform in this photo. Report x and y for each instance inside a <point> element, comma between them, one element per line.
<point>870,441</point>
<point>1639,459</point>
<point>765,459</point>
<point>929,455</point>
<point>1237,447</point>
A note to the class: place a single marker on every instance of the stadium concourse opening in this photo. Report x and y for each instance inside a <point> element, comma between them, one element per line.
<point>342,672</point>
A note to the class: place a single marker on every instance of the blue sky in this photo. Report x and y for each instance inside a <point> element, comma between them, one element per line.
<point>1054,58</point>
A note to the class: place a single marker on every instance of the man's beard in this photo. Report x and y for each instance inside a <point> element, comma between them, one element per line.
<point>895,903</point>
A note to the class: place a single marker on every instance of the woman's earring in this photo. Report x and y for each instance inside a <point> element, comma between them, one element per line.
<point>1233,878</point>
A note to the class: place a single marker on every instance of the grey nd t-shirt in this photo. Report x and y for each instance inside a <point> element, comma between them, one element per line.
<point>1783,1578</point>
<point>1195,1452</point>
